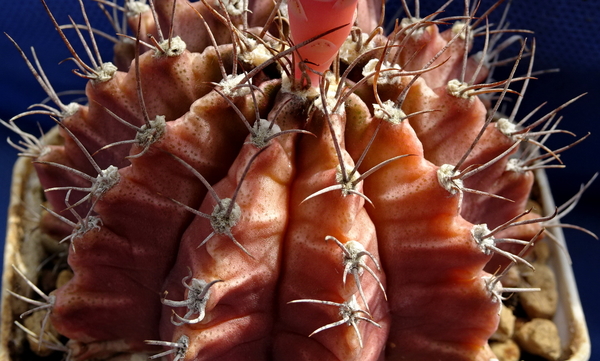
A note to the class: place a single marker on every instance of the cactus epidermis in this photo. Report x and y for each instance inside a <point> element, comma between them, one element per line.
<point>239,192</point>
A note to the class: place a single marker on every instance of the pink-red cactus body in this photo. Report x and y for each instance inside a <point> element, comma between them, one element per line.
<point>217,204</point>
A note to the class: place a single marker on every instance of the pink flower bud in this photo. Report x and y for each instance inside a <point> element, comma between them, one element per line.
<point>311,18</point>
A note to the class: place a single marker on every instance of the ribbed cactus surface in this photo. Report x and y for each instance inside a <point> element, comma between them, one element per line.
<point>284,181</point>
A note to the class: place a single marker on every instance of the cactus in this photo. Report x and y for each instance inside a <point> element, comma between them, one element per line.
<point>256,181</point>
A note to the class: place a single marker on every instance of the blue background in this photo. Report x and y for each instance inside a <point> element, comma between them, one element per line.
<point>568,37</point>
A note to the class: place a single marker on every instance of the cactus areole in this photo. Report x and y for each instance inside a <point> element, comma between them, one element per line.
<point>282,181</point>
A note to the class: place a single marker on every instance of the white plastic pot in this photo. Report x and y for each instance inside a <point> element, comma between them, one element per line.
<point>569,316</point>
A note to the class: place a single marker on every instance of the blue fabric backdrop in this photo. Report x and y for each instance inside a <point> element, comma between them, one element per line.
<point>567,34</point>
